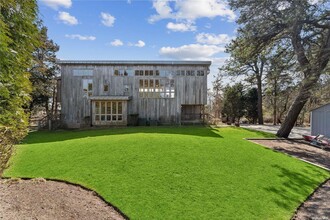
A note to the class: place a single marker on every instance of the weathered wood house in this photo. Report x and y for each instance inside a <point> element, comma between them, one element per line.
<point>129,92</point>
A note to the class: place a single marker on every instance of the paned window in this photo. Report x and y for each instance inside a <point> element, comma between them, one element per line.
<point>156,88</point>
<point>109,111</point>
<point>87,87</point>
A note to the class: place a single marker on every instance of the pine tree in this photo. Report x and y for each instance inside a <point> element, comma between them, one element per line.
<point>304,25</point>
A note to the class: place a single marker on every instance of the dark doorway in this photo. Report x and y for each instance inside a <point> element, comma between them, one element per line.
<point>192,113</point>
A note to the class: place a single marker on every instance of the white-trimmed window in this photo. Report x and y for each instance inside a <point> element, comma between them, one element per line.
<point>156,88</point>
<point>109,111</point>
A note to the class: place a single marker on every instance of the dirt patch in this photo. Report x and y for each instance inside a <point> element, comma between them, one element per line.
<point>41,199</point>
<point>300,149</point>
<point>317,206</point>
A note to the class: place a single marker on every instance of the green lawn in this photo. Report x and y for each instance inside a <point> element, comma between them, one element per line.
<point>173,172</point>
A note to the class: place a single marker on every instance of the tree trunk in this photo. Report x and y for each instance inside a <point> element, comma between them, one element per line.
<point>259,88</point>
<point>53,101</point>
<point>275,103</point>
<point>298,104</point>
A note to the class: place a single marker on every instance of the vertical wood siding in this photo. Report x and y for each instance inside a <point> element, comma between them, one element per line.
<point>320,123</point>
<point>76,109</point>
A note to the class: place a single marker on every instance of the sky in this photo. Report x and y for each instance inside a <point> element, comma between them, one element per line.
<point>140,29</point>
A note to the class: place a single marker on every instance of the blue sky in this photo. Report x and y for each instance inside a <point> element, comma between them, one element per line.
<point>140,29</point>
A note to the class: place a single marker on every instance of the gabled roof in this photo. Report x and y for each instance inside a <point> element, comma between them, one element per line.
<point>320,106</point>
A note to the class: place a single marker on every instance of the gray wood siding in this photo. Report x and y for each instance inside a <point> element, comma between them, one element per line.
<point>320,121</point>
<point>76,109</point>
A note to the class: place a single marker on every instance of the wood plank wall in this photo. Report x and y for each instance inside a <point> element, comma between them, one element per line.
<point>75,108</point>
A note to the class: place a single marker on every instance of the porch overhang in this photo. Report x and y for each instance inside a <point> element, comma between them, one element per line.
<point>110,98</point>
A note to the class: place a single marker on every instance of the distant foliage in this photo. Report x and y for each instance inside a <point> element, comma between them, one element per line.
<point>233,103</point>
<point>302,27</point>
<point>251,105</point>
<point>43,72</point>
<point>18,39</point>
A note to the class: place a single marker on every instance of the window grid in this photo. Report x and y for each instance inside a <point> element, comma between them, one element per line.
<point>88,87</point>
<point>108,111</point>
<point>156,88</point>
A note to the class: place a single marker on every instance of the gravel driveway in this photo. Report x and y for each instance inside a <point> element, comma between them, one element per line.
<point>296,132</point>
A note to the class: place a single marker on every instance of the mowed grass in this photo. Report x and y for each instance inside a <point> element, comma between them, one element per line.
<point>173,172</point>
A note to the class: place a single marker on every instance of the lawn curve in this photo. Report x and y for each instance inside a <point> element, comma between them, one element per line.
<point>173,172</point>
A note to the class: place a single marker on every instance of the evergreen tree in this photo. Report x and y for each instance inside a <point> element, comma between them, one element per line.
<point>304,25</point>
<point>233,103</point>
<point>18,39</point>
<point>44,72</point>
<point>251,105</point>
<point>243,62</point>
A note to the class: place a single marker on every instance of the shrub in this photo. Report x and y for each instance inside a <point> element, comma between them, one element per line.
<point>8,137</point>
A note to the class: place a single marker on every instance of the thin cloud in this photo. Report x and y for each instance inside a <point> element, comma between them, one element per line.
<point>208,38</point>
<point>107,19</point>
<point>66,18</point>
<point>140,43</point>
<point>191,51</point>
<point>116,43</point>
<point>55,4</point>
<point>80,37</point>
<point>181,27</point>
<point>190,10</point>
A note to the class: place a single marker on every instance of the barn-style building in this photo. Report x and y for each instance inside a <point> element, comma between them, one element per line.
<point>95,93</point>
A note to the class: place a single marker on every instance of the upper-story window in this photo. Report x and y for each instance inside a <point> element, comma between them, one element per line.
<point>82,72</point>
<point>105,88</point>
<point>146,72</point>
<point>190,72</point>
<point>156,88</point>
<point>200,72</point>
<point>123,72</point>
<point>87,87</point>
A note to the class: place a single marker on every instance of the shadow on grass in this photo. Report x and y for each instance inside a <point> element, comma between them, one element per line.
<point>295,187</point>
<point>55,136</point>
<point>308,155</point>
<point>259,133</point>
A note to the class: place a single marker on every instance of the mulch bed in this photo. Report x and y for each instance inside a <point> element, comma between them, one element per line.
<point>317,206</point>
<point>41,199</point>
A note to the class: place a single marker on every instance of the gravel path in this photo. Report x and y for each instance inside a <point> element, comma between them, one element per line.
<point>296,132</point>
<point>317,206</point>
<point>41,199</point>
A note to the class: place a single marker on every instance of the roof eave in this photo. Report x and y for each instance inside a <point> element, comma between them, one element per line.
<point>133,62</point>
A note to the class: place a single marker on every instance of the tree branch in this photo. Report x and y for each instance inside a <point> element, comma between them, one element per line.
<point>298,47</point>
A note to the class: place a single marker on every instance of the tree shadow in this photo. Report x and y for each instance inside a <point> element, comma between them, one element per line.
<point>311,156</point>
<point>299,149</point>
<point>295,187</point>
<point>63,135</point>
<point>258,133</point>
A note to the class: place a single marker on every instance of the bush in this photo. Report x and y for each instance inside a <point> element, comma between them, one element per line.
<point>8,137</point>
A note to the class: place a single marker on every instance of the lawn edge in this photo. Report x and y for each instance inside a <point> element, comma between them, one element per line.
<point>77,185</point>
<point>306,161</point>
<point>317,165</point>
<point>308,197</point>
